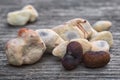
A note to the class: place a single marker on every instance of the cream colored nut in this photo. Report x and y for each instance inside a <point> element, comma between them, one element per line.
<point>100,45</point>
<point>33,12</point>
<point>21,17</point>
<point>27,48</point>
<point>86,45</point>
<point>68,32</point>
<point>51,38</point>
<point>14,51</point>
<point>60,50</point>
<point>18,17</point>
<point>105,35</point>
<point>102,26</point>
<point>82,24</point>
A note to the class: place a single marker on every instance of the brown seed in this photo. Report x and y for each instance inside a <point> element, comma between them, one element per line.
<point>69,62</point>
<point>96,59</point>
<point>73,56</point>
<point>75,49</point>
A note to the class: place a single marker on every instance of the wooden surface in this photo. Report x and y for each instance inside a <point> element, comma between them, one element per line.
<point>53,13</point>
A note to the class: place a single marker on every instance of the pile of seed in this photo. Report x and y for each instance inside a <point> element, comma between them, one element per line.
<point>74,42</point>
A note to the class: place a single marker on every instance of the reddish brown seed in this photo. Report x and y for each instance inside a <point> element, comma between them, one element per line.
<point>96,59</point>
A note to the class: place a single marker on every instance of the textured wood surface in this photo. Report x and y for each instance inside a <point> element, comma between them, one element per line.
<point>53,13</point>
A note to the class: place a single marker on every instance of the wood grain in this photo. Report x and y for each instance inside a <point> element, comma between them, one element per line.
<point>53,13</point>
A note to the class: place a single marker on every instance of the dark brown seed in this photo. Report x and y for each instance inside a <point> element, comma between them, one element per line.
<point>73,56</point>
<point>75,49</point>
<point>69,62</point>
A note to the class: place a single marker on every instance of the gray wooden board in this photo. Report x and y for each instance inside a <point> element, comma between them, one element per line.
<point>53,13</point>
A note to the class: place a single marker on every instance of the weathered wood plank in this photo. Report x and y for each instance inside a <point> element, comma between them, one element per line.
<point>53,13</point>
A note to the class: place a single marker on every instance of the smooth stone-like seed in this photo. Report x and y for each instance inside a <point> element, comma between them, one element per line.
<point>69,62</point>
<point>96,59</point>
<point>50,38</point>
<point>100,45</point>
<point>18,18</point>
<point>102,26</point>
<point>60,50</point>
<point>105,35</point>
